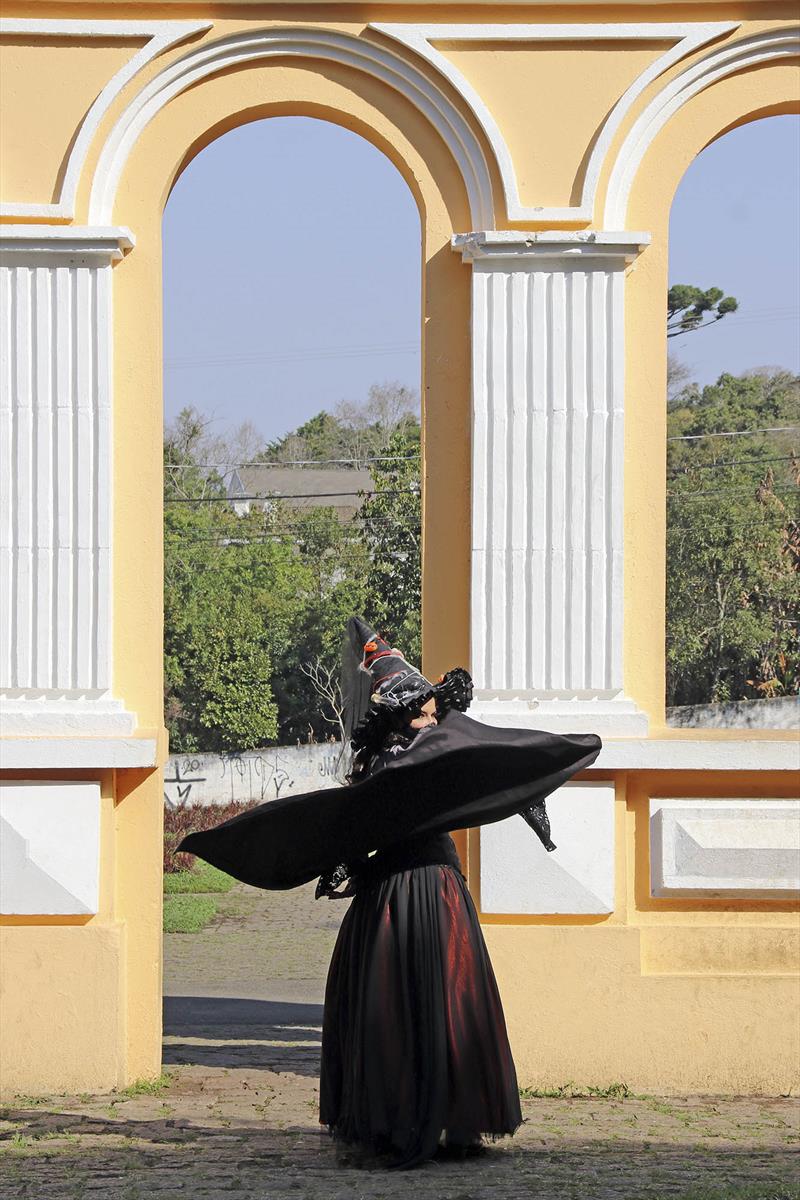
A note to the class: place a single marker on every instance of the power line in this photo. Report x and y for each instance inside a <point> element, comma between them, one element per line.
<point>733,462</point>
<point>726,525</point>
<point>296,462</point>
<point>694,437</point>
<point>732,491</point>
<point>240,544</point>
<point>286,496</point>
<point>301,354</point>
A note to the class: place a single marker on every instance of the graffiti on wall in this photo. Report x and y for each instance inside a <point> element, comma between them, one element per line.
<point>258,775</point>
<point>184,776</point>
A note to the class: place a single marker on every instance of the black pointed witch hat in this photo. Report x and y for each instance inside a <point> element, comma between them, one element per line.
<point>376,674</point>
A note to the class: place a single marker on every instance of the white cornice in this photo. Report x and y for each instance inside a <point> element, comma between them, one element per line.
<point>532,247</point>
<point>85,242</point>
<point>685,39</point>
<point>161,36</point>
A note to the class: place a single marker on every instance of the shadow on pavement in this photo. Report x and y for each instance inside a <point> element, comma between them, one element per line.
<point>249,1163</point>
<point>215,1031</point>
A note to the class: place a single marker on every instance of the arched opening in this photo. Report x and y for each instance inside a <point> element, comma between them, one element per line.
<point>733,430</point>
<point>292,498</point>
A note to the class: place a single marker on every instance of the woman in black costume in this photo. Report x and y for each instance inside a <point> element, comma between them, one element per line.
<point>415,1054</point>
<point>414,1042</point>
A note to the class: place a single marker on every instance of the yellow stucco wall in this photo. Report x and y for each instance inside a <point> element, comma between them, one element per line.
<point>666,996</point>
<point>611,992</point>
<point>80,997</point>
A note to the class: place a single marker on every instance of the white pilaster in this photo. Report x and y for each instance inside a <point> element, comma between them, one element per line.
<point>55,460</point>
<point>547,494</point>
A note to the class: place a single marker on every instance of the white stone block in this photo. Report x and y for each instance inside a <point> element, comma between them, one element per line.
<point>519,876</point>
<point>725,847</point>
<point>49,848</point>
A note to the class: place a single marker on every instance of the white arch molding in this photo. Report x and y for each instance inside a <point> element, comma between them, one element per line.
<point>683,39</point>
<point>381,63</point>
<point>727,60</point>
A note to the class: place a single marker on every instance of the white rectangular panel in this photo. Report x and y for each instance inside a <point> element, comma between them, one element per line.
<point>49,848</point>
<point>725,847</point>
<point>519,876</point>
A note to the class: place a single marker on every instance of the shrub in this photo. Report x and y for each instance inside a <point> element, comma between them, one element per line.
<point>178,822</point>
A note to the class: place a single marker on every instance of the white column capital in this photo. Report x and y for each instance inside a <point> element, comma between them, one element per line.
<point>97,245</point>
<point>508,249</point>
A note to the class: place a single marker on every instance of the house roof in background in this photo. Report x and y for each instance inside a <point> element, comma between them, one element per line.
<point>313,487</point>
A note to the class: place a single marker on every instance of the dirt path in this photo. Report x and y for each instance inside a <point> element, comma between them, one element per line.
<point>257,941</point>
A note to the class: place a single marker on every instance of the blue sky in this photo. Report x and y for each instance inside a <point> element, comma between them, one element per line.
<point>735,224</point>
<point>292,267</point>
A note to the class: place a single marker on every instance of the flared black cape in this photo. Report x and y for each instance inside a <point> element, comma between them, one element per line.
<point>456,775</point>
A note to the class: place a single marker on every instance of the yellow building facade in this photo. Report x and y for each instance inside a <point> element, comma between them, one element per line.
<point>543,146</point>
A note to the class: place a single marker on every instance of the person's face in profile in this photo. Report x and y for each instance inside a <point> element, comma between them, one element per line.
<point>427,715</point>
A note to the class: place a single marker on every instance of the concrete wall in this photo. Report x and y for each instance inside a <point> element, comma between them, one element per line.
<point>781,713</point>
<point>262,774</point>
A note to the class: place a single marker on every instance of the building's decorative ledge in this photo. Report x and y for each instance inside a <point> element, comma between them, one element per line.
<point>104,243</point>
<point>530,246</point>
<point>86,753</point>
<point>699,754</point>
<point>618,754</point>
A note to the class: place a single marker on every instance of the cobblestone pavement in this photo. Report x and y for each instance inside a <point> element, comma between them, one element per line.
<point>236,1117</point>
<point>284,937</point>
<point>251,1134</point>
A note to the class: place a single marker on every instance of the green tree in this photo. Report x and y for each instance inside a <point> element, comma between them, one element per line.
<point>218,676</point>
<point>335,564</point>
<point>733,540</point>
<point>392,534</point>
<point>690,308</point>
<point>231,594</point>
<point>353,432</point>
<point>251,601</point>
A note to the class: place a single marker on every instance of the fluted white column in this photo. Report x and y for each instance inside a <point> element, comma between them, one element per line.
<point>547,486</point>
<point>55,476</point>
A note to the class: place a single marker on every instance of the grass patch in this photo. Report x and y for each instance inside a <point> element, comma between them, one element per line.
<point>188,913</point>
<point>572,1091</point>
<point>204,878</point>
<point>147,1087</point>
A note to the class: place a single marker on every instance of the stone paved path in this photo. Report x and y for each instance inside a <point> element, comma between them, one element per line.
<point>236,1118</point>
<point>219,1133</point>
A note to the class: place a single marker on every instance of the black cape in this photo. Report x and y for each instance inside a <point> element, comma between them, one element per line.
<point>456,775</point>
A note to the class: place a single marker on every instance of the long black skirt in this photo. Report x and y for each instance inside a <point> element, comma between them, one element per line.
<point>414,1043</point>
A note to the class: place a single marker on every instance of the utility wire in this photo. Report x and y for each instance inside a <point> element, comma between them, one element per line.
<point>695,437</point>
<point>285,496</point>
<point>301,354</point>
<point>733,462</point>
<point>731,491</point>
<point>297,462</point>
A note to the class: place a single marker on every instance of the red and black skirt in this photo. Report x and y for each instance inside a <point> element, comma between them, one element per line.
<point>414,1043</point>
